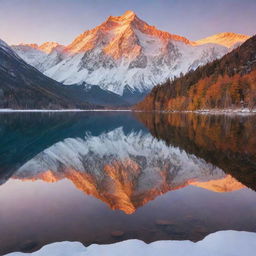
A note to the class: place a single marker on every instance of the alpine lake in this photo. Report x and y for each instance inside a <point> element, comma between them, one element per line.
<point>104,177</point>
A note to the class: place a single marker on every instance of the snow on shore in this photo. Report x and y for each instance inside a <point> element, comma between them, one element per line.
<point>222,243</point>
<point>228,111</point>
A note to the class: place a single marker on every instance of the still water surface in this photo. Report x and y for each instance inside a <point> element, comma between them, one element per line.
<point>107,177</point>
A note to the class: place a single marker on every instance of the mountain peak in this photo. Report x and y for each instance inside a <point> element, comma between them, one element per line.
<point>230,34</point>
<point>227,39</point>
<point>47,47</point>
<point>129,14</point>
<point>35,46</point>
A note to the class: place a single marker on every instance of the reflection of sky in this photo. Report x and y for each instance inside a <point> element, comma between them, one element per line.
<point>51,212</point>
<point>62,20</point>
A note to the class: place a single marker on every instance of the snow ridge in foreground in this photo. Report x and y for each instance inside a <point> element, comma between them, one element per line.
<point>222,243</point>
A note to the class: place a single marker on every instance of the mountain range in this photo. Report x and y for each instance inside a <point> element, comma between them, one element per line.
<point>113,65</point>
<point>125,55</point>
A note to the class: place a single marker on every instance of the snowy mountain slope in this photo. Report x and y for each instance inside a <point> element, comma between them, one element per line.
<point>124,171</point>
<point>141,73</point>
<point>125,52</point>
<point>47,47</point>
<point>41,57</point>
<point>226,39</point>
<point>31,55</point>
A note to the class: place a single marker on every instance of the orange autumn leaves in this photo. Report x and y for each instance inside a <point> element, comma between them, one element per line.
<point>214,92</point>
<point>221,92</point>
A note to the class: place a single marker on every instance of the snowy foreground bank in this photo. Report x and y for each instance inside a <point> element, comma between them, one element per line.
<point>223,243</point>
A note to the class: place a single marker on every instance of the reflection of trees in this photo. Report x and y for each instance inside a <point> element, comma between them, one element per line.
<point>225,141</point>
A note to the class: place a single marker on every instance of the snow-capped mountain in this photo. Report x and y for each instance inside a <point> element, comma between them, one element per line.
<point>47,47</point>
<point>31,54</point>
<point>124,53</point>
<point>226,39</point>
<point>124,171</point>
<point>42,56</point>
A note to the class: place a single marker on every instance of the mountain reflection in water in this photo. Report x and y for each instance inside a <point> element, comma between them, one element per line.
<point>125,171</point>
<point>128,161</point>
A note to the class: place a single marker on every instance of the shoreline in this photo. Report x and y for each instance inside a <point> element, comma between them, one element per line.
<point>60,110</point>
<point>226,111</point>
<point>244,111</point>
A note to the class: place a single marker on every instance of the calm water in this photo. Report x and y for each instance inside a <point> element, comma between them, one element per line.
<point>107,177</point>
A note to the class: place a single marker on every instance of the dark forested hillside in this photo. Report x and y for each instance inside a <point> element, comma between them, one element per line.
<point>24,87</point>
<point>229,82</point>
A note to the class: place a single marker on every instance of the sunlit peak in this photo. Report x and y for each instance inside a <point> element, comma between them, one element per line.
<point>129,14</point>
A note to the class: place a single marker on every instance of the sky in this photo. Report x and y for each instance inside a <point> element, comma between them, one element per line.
<point>38,21</point>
